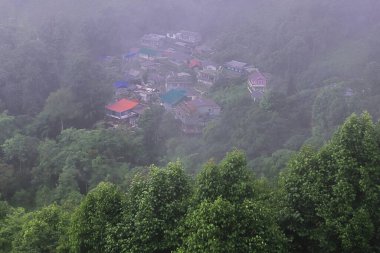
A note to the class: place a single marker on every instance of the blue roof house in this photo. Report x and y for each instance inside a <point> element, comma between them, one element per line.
<point>173,97</point>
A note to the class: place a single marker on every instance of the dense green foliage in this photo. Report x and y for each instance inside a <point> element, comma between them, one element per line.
<point>327,201</point>
<point>101,209</point>
<point>331,196</point>
<point>228,215</point>
<point>68,183</point>
<point>155,207</point>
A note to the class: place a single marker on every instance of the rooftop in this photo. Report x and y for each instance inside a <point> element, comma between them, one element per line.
<point>153,36</point>
<point>173,97</point>
<point>122,105</point>
<point>194,106</point>
<point>180,74</point>
<point>182,44</point>
<point>235,64</point>
<point>256,74</point>
<point>178,56</point>
<point>209,71</point>
<point>148,51</point>
<point>195,63</point>
<point>200,102</point>
<point>140,109</point>
<point>120,84</point>
<point>134,72</point>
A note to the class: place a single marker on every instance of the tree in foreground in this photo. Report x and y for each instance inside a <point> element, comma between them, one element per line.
<point>156,206</point>
<point>221,226</point>
<point>227,217</point>
<point>230,179</point>
<point>101,208</point>
<point>332,197</point>
<point>44,232</point>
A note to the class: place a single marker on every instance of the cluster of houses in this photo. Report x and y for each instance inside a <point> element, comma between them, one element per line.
<point>175,70</point>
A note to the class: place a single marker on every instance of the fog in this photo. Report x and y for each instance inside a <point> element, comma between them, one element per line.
<point>302,47</point>
<point>189,126</point>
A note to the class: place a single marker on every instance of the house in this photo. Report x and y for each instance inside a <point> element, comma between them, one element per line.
<point>175,58</point>
<point>152,40</point>
<point>146,94</point>
<point>210,65</point>
<point>192,93</point>
<point>133,76</point>
<point>207,77</point>
<point>132,54</point>
<point>209,74</point>
<point>121,84</point>
<point>181,47</point>
<point>125,111</point>
<point>257,84</point>
<point>122,109</point>
<point>171,36</point>
<point>149,65</point>
<point>172,98</point>
<point>194,64</point>
<point>203,51</point>
<point>154,79</point>
<point>348,92</point>
<point>235,66</point>
<point>185,36</point>
<point>178,80</point>
<point>195,114</point>
<point>138,110</point>
<point>148,54</point>
<point>123,88</point>
<point>189,37</point>
<point>250,69</point>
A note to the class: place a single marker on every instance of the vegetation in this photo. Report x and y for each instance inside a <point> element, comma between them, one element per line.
<point>327,201</point>
<point>308,179</point>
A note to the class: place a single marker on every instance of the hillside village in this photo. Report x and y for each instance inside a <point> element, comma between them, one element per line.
<point>176,71</point>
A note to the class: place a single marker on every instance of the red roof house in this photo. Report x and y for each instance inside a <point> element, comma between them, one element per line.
<point>122,109</point>
<point>194,63</point>
<point>122,105</point>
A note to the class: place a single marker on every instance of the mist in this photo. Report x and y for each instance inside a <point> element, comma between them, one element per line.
<point>189,126</point>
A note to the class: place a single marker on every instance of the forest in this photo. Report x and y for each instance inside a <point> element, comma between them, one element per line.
<point>297,170</point>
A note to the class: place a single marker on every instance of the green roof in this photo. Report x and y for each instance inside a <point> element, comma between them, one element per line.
<point>173,97</point>
<point>148,51</point>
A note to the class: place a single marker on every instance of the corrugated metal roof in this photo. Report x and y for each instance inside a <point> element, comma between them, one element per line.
<point>173,97</point>
<point>122,105</point>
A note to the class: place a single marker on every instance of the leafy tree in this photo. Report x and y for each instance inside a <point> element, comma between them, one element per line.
<point>27,77</point>
<point>87,82</point>
<point>21,151</point>
<point>155,209</point>
<point>157,126</point>
<point>45,231</point>
<point>7,127</point>
<point>222,226</point>
<point>8,180</point>
<point>10,226</point>
<point>101,208</point>
<point>49,164</point>
<point>329,110</point>
<point>5,209</point>
<point>80,159</point>
<point>330,195</point>
<point>60,108</point>
<point>271,166</point>
<point>230,180</point>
